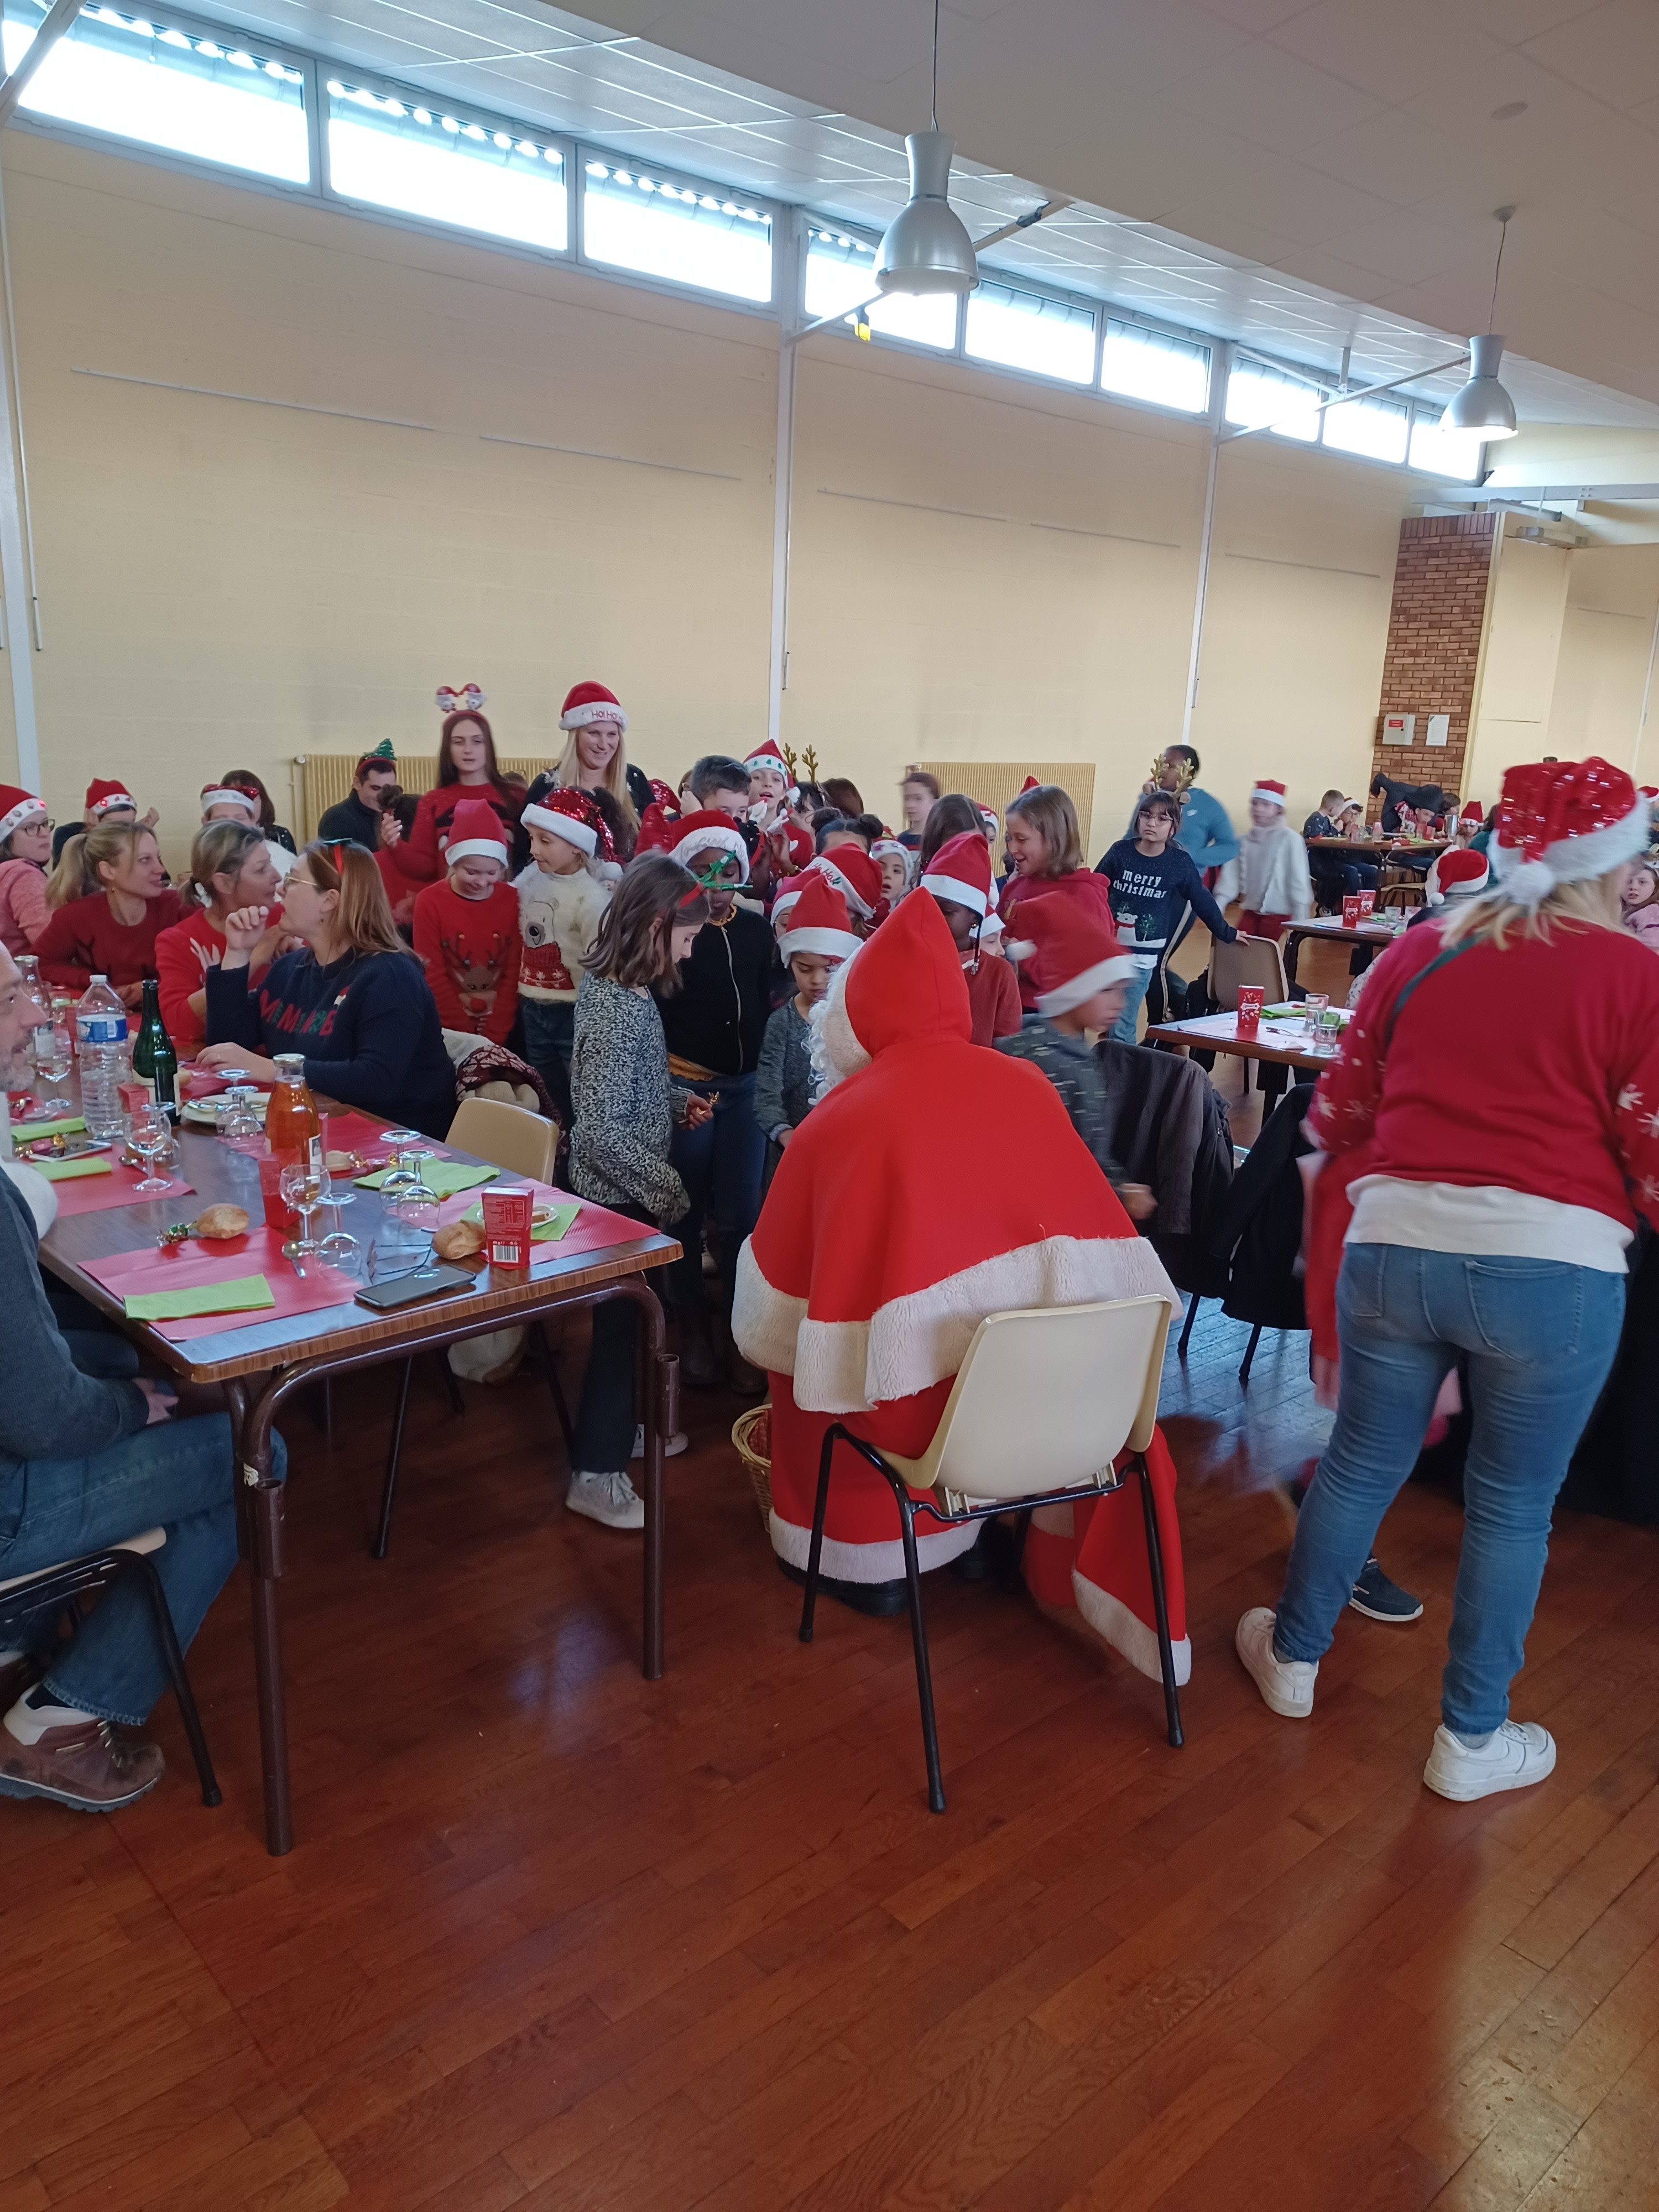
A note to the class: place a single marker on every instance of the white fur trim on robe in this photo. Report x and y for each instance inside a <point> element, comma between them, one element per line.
<point>911,1343</point>
<point>882,1561</point>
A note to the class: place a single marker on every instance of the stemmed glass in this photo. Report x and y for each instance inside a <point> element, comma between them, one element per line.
<point>303,1183</point>
<point>240,1126</point>
<point>150,1135</point>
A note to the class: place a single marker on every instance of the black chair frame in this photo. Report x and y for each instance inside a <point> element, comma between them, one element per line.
<point>457,1405</point>
<point>59,1589</point>
<point>909,1506</point>
<point>1249,1354</point>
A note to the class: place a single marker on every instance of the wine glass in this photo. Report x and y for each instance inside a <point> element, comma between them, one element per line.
<point>150,1135</point>
<point>239,1124</point>
<point>303,1185</point>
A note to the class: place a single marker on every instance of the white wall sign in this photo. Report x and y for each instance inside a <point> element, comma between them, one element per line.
<point>1399,729</point>
<point>1439,728</point>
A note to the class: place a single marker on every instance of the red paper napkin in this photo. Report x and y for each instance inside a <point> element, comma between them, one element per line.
<point>93,1194</point>
<point>260,1252</point>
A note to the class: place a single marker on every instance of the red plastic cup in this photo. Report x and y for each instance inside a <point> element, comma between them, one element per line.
<point>1351,910</point>
<point>1367,902</point>
<point>1250,996</point>
<point>279,1214</point>
<point>506,1220</point>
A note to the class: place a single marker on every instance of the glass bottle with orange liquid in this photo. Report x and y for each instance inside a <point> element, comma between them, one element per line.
<point>291,1119</point>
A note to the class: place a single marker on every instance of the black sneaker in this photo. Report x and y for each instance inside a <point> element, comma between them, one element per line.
<point>1379,1599</point>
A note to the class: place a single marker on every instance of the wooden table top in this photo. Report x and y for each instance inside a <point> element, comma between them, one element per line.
<point>1219,1033</point>
<point>1375,932</point>
<point>220,1175</point>
<point>1384,844</point>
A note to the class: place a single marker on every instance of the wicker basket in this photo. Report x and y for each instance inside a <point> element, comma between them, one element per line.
<point>751,1432</point>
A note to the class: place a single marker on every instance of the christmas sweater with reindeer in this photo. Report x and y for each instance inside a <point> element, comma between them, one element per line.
<point>470,952</point>
<point>559,917</point>
<point>1514,1110</point>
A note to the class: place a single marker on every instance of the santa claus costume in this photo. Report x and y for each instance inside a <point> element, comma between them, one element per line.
<point>864,1280</point>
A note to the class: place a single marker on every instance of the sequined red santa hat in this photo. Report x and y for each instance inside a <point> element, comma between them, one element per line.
<point>573,815</point>
<point>1066,952</point>
<point>107,797</point>
<point>818,923</point>
<point>224,794</point>
<point>476,832</point>
<point>1564,822</point>
<point>961,871</point>
<point>708,830</point>
<point>1271,792</point>
<point>1456,875</point>
<point>17,808</point>
<point>590,702</point>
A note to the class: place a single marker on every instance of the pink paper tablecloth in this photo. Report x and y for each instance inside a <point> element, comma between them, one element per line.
<point>93,1194</point>
<point>188,1266</point>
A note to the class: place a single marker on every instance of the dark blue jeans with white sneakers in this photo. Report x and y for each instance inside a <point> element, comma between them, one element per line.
<point>1540,1335</point>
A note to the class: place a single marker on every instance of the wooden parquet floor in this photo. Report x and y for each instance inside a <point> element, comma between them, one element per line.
<point>553,1937</point>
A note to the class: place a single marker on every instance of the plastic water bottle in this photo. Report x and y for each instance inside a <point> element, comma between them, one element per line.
<point>100,1029</point>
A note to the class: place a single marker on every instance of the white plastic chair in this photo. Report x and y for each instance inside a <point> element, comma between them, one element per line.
<point>1044,1403</point>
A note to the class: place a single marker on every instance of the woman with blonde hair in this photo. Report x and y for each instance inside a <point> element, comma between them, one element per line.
<point>230,868</point>
<point>111,902</point>
<point>353,999</point>
<point>1046,847</point>
<point>1495,1112</point>
<point>595,756</point>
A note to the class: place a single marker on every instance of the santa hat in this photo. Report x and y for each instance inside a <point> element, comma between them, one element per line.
<point>769,755</point>
<point>856,877</point>
<point>1271,792</point>
<point>819,923</point>
<point>475,833</point>
<point>573,815</point>
<point>708,829</point>
<point>961,871</point>
<point>992,825</point>
<point>1066,952</point>
<point>787,900</point>
<point>17,808</point>
<point>1472,812</point>
<point>797,844</point>
<point>590,702</point>
<point>224,794</point>
<point>467,700</point>
<point>106,797</point>
<point>1564,822</point>
<point>1030,784</point>
<point>1458,875</point>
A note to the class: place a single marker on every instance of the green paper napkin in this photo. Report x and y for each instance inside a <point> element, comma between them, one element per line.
<point>443,1178</point>
<point>66,1171</point>
<point>67,1125</point>
<point>558,1224</point>
<point>247,1294</point>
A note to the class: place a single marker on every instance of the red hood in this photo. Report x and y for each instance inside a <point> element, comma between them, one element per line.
<point>905,986</point>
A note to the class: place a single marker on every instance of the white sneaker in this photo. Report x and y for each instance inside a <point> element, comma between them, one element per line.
<point>671,1449</point>
<point>610,1499</point>
<point>1518,1754</point>
<point>1286,1685</point>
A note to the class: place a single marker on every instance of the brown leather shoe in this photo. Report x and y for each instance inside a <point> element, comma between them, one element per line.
<point>91,1767</point>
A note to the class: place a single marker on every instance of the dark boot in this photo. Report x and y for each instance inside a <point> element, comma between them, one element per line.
<point>699,1369</point>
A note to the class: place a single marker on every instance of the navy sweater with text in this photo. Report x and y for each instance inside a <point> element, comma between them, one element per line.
<point>368,1026</point>
<point>1151,896</point>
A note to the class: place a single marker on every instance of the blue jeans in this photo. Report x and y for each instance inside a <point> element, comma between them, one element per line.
<point>1122,1031</point>
<point>550,1036</point>
<point>1541,1336</point>
<point>720,1166</point>
<point>178,1474</point>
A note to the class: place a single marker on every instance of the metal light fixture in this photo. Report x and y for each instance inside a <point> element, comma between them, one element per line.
<point>926,247</point>
<point>1483,408</point>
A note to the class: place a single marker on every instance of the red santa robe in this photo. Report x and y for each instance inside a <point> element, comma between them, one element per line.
<point>937,1184</point>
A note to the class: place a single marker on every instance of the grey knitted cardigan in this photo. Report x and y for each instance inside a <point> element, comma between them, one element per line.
<point>625,1106</point>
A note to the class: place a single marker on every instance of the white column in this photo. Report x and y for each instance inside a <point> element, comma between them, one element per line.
<point>787,267</point>
<point>22,636</point>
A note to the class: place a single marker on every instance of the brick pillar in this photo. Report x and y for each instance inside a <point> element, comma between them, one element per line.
<point>1433,653</point>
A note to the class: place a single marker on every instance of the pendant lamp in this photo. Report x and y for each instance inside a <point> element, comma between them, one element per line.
<point>926,247</point>
<point>1483,407</point>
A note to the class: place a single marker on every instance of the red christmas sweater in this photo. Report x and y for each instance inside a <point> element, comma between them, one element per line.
<point>1535,1069</point>
<point>84,939</point>
<point>470,949</point>
<point>419,856</point>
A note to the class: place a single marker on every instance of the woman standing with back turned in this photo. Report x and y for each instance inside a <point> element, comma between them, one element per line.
<point>1500,1083</point>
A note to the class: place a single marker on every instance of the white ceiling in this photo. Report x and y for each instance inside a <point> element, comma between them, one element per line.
<point>1340,160</point>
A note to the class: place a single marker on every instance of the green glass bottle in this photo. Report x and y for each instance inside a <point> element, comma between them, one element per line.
<point>153,1055</point>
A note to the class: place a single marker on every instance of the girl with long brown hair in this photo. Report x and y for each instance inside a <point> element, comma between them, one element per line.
<point>1046,847</point>
<point>111,902</point>
<point>467,768</point>
<point>353,999</point>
